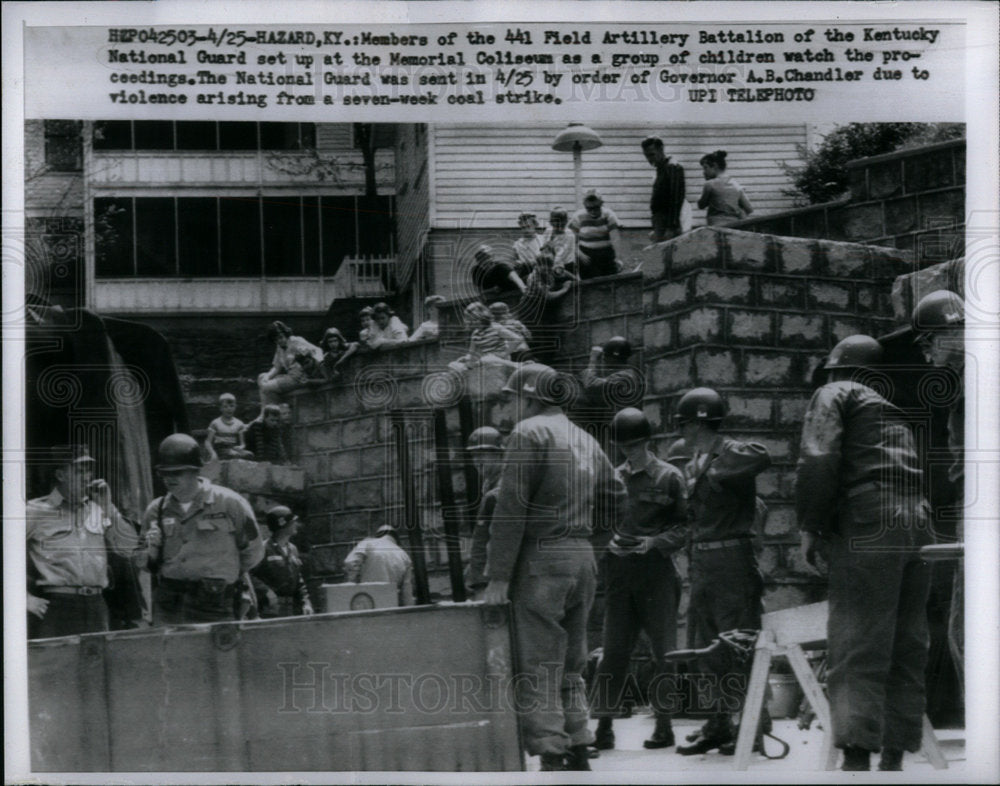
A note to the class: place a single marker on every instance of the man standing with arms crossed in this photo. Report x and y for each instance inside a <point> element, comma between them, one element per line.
<point>859,499</point>
<point>554,481</point>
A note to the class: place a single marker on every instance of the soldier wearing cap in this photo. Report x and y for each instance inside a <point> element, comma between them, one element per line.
<point>641,586</point>
<point>859,500</point>
<point>556,485</point>
<point>726,584</point>
<point>380,559</point>
<point>69,532</point>
<point>200,538</point>
<point>485,445</point>
<point>939,321</point>
<point>277,579</point>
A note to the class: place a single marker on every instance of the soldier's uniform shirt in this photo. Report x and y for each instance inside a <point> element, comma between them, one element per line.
<point>67,548</point>
<point>281,572</point>
<point>622,387</point>
<point>215,538</point>
<point>476,573</point>
<point>642,591</point>
<point>554,481</point>
<point>382,560</point>
<point>859,485</point>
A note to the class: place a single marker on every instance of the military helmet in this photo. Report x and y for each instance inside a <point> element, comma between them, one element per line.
<point>178,451</point>
<point>279,517</point>
<point>630,425</point>
<point>700,404</point>
<point>617,346</point>
<point>534,380</point>
<point>940,309</point>
<point>485,438</point>
<point>678,451</point>
<point>854,352</point>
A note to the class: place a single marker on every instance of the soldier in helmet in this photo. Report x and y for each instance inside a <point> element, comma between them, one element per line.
<point>939,321</point>
<point>612,383</point>
<point>277,579</point>
<point>641,585</point>
<point>726,585</point>
<point>200,539</point>
<point>556,483</point>
<point>859,500</point>
<point>485,445</point>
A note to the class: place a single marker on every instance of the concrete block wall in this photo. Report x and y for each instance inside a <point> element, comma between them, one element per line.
<point>910,199</point>
<point>753,316</point>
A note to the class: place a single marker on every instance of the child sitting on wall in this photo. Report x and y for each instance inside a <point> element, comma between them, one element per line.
<point>263,436</point>
<point>225,433</point>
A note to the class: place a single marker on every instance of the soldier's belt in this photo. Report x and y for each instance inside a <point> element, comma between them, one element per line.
<point>87,591</point>
<point>217,586</point>
<point>711,545</point>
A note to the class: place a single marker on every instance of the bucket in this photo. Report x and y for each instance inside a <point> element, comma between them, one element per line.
<point>786,696</point>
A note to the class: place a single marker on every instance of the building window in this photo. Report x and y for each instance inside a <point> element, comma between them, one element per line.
<point>64,145</point>
<point>202,135</point>
<point>237,237</point>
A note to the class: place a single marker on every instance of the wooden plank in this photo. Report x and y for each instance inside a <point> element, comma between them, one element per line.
<point>754,701</point>
<point>802,625</point>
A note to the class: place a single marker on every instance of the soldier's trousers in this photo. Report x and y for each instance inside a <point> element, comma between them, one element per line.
<point>641,592</point>
<point>552,591</point>
<point>878,635</point>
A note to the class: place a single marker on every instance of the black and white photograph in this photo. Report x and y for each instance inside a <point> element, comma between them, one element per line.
<point>632,427</point>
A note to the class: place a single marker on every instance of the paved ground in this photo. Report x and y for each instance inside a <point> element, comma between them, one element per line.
<point>630,761</point>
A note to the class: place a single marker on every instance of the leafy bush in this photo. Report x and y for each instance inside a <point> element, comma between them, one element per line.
<point>823,176</point>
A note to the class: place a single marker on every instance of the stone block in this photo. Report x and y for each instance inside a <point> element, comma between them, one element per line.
<point>603,329</point>
<point>846,260</point>
<point>749,250</point>
<point>654,413</point>
<point>750,327</point>
<point>929,171</point>
<point>598,298</point>
<point>634,331</point>
<point>771,369</point>
<point>350,527</point>
<point>781,520</point>
<point>769,560</point>
<point>885,180</point>
<point>795,563</point>
<point>784,292</point>
<point>658,334</point>
<point>901,215</point>
<point>829,296</point>
<point>748,411</point>
<point>700,248</point>
<point>700,325</point>
<point>627,294</point>
<point>648,301</point>
<point>887,263</point>
<point>323,437</point>
<point>942,209</point>
<point>867,297</point>
<point>376,460</point>
<point>795,255</point>
<point>317,467</point>
<point>359,431</point>
<point>722,287</point>
<point>326,497</point>
<point>345,464</point>
<point>714,367</point>
<point>672,295</point>
<point>800,330</point>
<point>368,493</point>
<point>311,406</point>
<point>842,327</point>
<point>670,374</point>
<point>776,483</point>
<point>810,370</point>
<point>792,410</point>
<point>857,182</point>
<point>244,476</point>
<point>287,479</point>
<point>863,222</point>
<point>780,448</point>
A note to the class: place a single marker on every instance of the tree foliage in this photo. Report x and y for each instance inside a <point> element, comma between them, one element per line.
<point>823,175</point>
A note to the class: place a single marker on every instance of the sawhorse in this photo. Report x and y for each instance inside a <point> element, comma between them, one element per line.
<point>788,633</point>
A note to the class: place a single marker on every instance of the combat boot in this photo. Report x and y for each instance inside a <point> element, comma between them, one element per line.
<point>604,737</point>
<point>856,760</point>
<point>663,734</point>
<point>553,762</point>
<point>578,758</point>
<point>717,733</point>
<point>891,761</point>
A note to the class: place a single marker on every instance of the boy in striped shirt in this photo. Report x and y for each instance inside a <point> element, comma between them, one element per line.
<point>596,228</point>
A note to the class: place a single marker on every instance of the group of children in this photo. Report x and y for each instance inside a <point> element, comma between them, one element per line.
<point>265,438</point>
